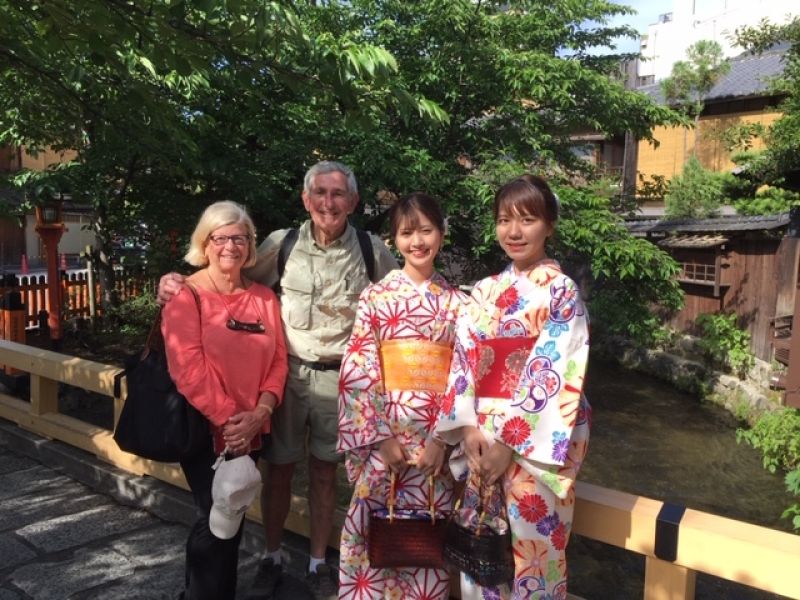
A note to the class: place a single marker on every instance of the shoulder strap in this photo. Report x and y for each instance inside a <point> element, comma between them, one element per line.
<point>367,253</point>
<point>154,342</point>
<point>196,299</point>
<point>287,244</point>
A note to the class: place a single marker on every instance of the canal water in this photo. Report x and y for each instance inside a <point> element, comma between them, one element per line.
<point>652,440</point>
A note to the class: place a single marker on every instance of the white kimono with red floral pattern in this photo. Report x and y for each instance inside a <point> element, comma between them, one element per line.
<point>544,417</point>
<point>394,308</point>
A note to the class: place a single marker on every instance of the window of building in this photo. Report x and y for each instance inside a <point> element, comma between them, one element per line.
<point>697,272</point>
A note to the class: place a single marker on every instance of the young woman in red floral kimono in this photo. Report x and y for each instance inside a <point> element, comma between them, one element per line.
<point>390,388</point>
<point>514,399</point>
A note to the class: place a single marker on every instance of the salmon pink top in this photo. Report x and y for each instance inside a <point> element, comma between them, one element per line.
<point>221,371</point>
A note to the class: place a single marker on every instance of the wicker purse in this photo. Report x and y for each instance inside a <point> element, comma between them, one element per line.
<point>479,547</point>
<point>406,537</point>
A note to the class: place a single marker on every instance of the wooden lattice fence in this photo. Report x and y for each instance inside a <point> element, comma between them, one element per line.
<point>75,292</point>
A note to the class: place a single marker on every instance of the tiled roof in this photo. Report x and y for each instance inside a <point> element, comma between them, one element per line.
<point>712,225</point>
<point>749,76</point>
<point>692,241</point>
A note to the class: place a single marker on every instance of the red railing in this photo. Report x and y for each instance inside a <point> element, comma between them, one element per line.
<point>75,292</point>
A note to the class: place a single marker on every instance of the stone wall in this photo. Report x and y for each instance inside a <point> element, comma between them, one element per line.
<point>683,367</point>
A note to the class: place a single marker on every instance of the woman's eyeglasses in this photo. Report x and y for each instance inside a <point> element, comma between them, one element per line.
<point>221,240</point>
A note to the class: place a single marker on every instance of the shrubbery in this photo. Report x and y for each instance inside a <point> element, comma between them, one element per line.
<point>696,193</point>
<point>724,343</point>
<point>777,435</point>
<point>767,201</point>
<point>132,317</point>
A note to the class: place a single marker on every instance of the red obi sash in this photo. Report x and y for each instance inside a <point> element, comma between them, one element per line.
<point>500,365</point>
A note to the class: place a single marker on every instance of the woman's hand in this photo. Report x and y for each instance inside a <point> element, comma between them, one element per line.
<point>475,446</point>
<point>240,430</point>
<point>495,462</point>
<point>431,459</point>
<point>393,455</point>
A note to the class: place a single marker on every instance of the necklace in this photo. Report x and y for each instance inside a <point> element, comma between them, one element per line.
<point>232,322</point>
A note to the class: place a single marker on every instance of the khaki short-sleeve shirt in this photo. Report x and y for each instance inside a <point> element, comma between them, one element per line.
<point>320,288</point>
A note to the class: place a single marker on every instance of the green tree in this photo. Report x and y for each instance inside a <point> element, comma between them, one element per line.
<point>517,79</point>
<point>691,80</point>
<point>780,163</point>
<point>767,201</point>
<point>696,193</point>
<point>450,97</point>
<point>631,284</point>
<point>135,89</point>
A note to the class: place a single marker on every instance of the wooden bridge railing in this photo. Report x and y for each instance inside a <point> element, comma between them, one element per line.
<point>755,556</point>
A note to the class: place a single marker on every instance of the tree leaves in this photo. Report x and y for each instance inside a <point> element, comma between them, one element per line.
<point>171,104</point>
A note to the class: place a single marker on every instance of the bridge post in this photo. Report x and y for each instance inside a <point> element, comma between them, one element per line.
<point>44,395</point>
<point>12,317</point>
<point>664,580</point>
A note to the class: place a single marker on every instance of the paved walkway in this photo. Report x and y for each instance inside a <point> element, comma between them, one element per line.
<point>72,526</point>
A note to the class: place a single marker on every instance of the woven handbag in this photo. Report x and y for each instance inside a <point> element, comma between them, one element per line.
<point>157,422</point>
<point>479,547</point>
<point>406,537</point>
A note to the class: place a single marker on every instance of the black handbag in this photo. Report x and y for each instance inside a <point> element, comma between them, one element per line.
<point>477,548</point>
<point>156,421</point>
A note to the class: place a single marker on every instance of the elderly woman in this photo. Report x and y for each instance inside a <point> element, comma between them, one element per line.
<point>226,353</point>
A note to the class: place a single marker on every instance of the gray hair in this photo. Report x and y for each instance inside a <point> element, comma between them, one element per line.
<point>330,166</point>
<point>220,214</point>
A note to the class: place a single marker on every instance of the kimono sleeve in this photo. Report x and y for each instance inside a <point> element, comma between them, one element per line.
<point>361,397</point>
<point>458,403</point>
<point>547,402</point>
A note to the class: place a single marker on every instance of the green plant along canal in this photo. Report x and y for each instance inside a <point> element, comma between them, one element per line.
<point>651,440</point>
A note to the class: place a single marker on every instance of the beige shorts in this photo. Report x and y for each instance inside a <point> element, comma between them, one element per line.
<point>308,416</point>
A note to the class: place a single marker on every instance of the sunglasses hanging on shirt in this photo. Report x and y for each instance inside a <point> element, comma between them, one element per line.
<point>233,323</point>
<point>236,325</point>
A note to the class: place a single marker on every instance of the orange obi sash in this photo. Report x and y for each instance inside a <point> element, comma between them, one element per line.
<point>500,365</point>
<point>415,365</point>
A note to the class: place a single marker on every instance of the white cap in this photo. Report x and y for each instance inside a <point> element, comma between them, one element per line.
<point>236,485</point>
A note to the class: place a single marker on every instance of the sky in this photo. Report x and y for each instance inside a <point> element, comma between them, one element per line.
<point>647,14</point>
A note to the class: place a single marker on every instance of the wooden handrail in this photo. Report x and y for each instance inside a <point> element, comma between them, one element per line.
<point>756,556</point>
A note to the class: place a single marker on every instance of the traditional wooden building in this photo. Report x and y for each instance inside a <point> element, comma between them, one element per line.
<point>742,97</point>
<point>733,264</point>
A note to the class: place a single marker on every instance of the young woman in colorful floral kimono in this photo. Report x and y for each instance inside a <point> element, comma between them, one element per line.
<point>514,398</point>
<point>391,382</point>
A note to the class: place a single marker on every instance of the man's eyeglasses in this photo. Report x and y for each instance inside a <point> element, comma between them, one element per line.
<point>221,240</point>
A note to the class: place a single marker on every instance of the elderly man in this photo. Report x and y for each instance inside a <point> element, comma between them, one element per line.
<point>321,277</point>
